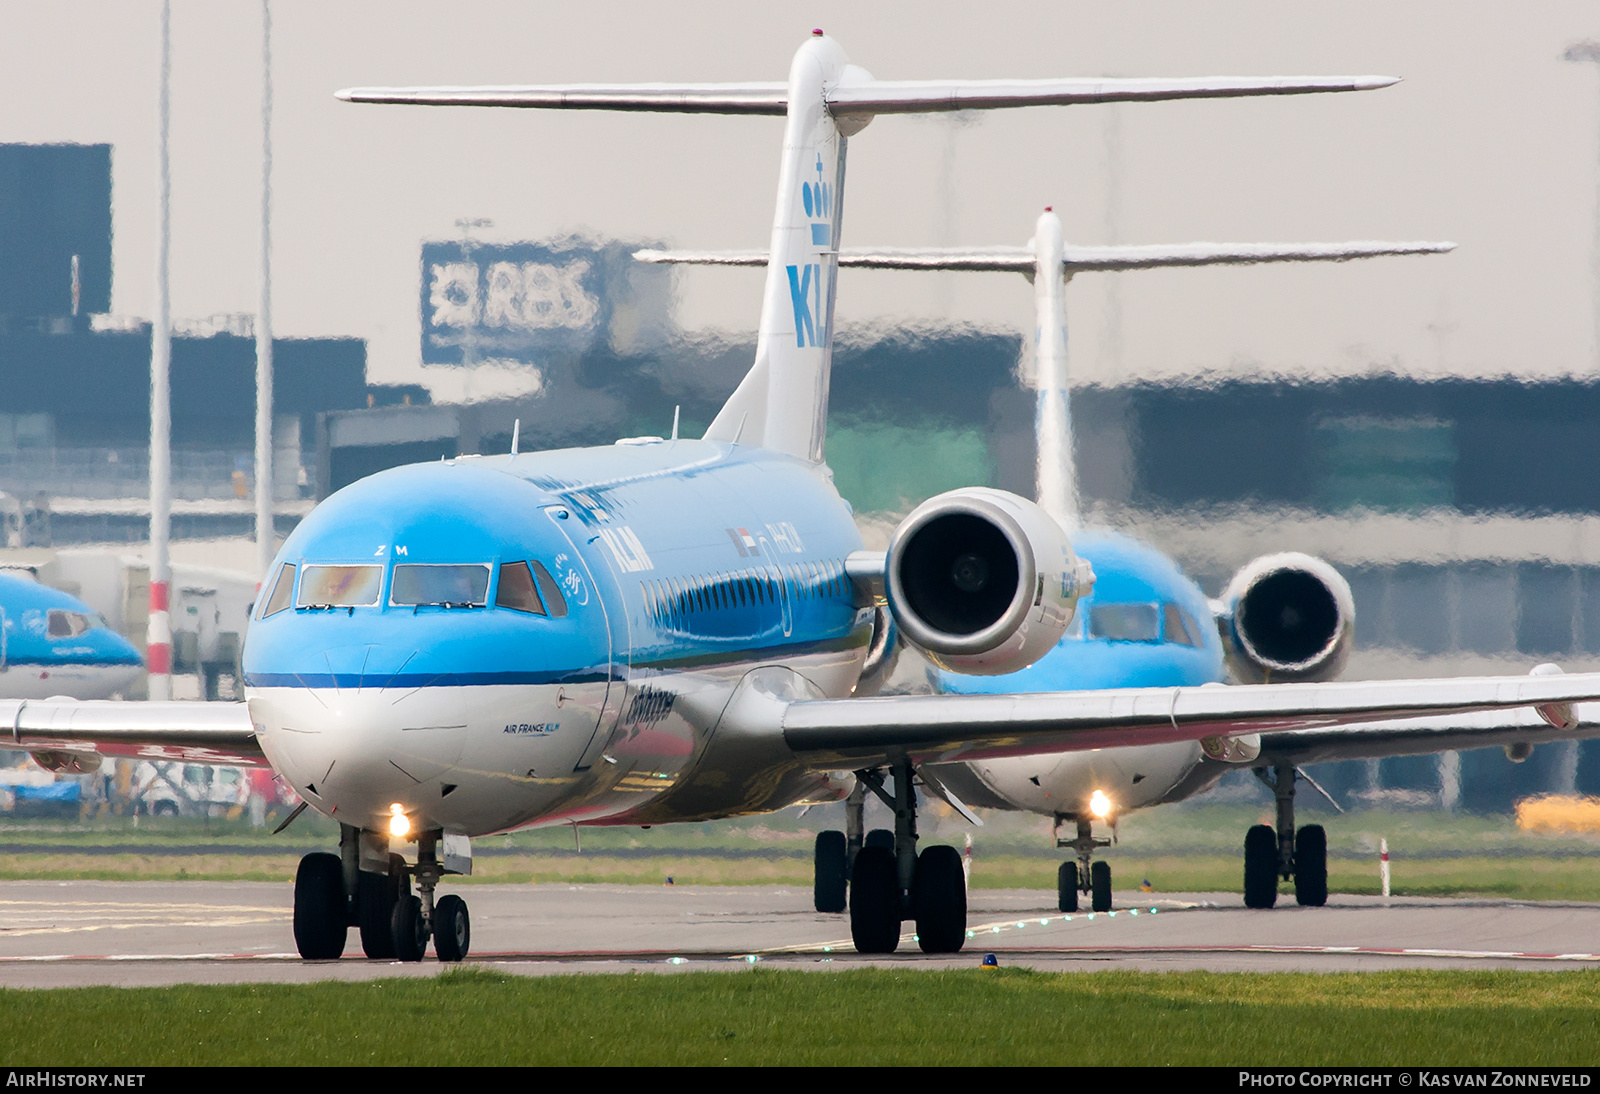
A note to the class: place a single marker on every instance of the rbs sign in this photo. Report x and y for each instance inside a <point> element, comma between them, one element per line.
<point>530,302</point>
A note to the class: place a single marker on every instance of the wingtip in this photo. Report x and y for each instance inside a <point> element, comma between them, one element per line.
<point>1372,83</point>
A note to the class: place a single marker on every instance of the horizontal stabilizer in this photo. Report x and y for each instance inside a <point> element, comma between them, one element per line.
<point>1149,256</point>
<point>764,98</point>
<point>933,96</point>
<point>1021,259</point>
<point>867,98</point>
<point>1017,259</point>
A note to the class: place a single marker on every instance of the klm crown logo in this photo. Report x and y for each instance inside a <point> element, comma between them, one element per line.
<point>817,196</point>
<point>818,200</point>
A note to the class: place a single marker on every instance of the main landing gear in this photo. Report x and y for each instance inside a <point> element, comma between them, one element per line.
<point>367,887</point>
<point>889,881</point>
<point>1286,853</point>
<point>1083,876</point>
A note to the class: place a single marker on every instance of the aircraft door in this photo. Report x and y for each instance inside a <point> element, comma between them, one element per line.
<point>579,583</point>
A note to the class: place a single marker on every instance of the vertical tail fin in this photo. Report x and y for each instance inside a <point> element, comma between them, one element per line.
<point>1057,477</point>
<point>782,403</point>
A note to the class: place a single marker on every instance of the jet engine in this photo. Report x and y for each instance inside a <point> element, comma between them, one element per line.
<point>1287,617</point>
<point>983,581</point>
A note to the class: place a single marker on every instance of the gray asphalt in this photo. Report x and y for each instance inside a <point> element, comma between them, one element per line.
<point>78,933</point>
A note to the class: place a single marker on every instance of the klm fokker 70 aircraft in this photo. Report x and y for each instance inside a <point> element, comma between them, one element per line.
<point>1144,624</point>
<point>671,630</point>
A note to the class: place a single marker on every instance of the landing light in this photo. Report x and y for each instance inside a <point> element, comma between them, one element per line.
<point>399,823</point>
<point>1100,805</point>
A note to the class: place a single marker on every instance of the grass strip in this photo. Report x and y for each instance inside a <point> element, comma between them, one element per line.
<point>1520,877</point>
<point>477,1015</point>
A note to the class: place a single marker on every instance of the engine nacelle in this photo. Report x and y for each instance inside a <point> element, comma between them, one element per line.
<point>1287,617</point>
<point>983,581</point>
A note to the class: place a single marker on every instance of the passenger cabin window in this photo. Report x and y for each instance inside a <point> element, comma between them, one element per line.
<point>63,624</point>
<point>420,584</point>
<point>282,590</point>
<point>1125,622</point>
<point>340,586</point>
<point>516,589</point>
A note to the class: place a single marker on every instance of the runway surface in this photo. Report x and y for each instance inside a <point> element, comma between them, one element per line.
<point>56,934</point>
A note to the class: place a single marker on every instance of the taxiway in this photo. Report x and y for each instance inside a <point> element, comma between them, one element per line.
<point>57,934</point>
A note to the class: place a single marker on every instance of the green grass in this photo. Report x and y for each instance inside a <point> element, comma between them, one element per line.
<point>888,1016</point>
<point>1186,848</point>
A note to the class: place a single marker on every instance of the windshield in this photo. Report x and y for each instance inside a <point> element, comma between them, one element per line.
<point>464,586</point>
<point>1124,622</point>
<point>68,624</point>
<point>339,586</point>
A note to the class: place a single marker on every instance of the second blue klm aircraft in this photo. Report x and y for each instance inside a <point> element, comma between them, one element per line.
<point>670,630</point>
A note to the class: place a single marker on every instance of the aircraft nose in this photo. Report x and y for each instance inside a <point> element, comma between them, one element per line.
<point>365,733</point>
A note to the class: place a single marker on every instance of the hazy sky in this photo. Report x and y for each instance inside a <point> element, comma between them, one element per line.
<point>1492,140</point>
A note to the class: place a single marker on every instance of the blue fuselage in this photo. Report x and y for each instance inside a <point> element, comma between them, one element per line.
<point>53,644</point>
<point>1145,624</point>
<point>608,602</point>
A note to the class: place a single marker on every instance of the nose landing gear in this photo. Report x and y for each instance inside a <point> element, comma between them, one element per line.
<point>333,893</point>
<point>1083,876</point>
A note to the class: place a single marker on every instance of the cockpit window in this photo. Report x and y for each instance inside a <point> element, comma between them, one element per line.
<point>448,586</point>
<point>282,590</point>
<point>1179,629</point>
<point>340,586</point>
<point>1124,622</point>
<point>516,589</point>
<point>64,624</point>
<point>550,591</point>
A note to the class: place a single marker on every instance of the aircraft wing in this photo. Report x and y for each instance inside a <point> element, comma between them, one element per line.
<point>854,733</point>
<point>1424,736</point>
<point>209,733</point>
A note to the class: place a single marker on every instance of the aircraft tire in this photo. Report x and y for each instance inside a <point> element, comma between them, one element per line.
<point>1311,866</point>
<point>1100,886</point>
<point>880,837</point>
<point>875,901</point>
<point>1067,887</point>
<point>320,912</point>
<point>452,929</point>
<point>830,877</point>
<point>376,895</point>
<point>405,925</point>
<point>940,900</point>
<point>1260,867</point>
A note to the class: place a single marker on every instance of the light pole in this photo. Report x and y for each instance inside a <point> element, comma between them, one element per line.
<point>1588,51</point>
<point>1565,777</point>
<point>265,541</point>
<point>158,632</point>
<point>469,343</point>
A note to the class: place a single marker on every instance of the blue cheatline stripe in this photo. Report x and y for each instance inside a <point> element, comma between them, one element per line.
<point>560,676</point>
<point>421,679</point>
<point>90,661</point>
